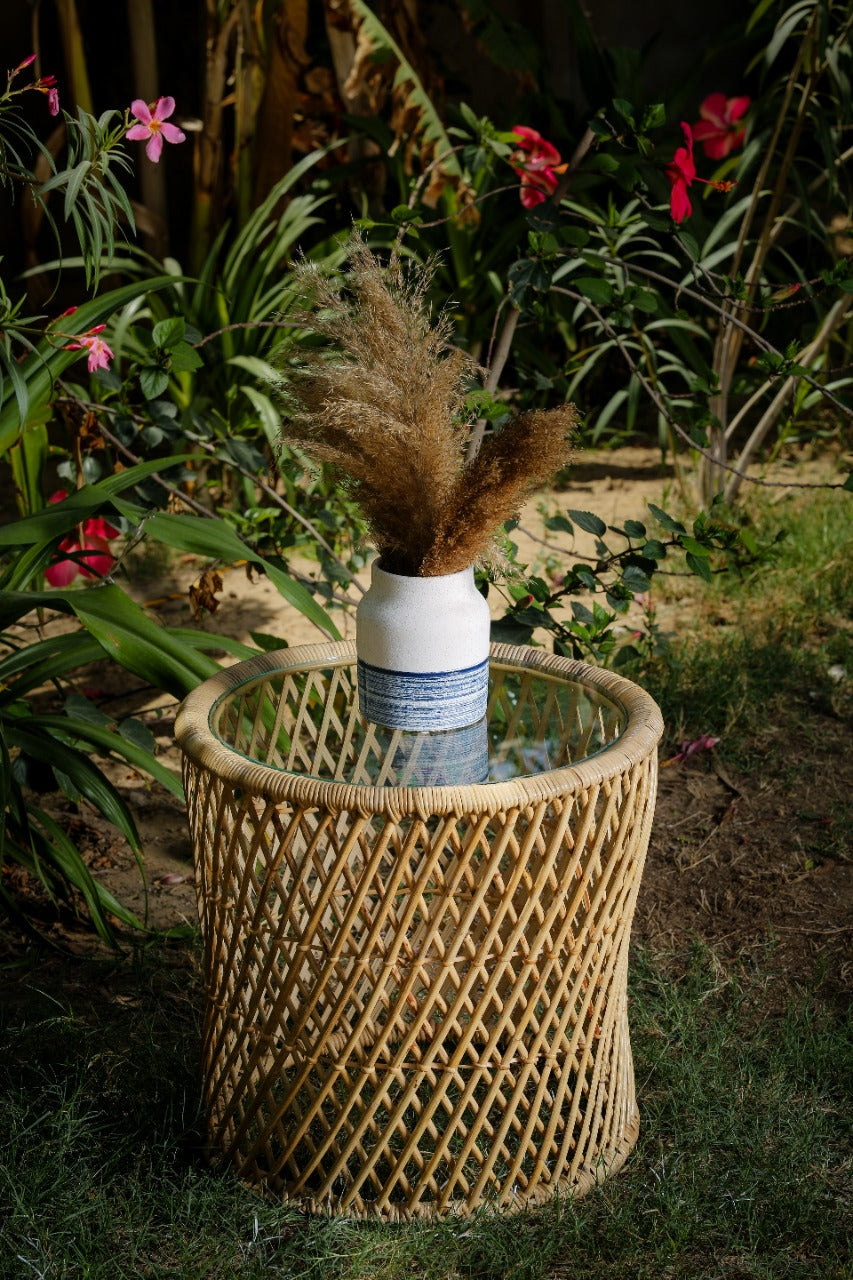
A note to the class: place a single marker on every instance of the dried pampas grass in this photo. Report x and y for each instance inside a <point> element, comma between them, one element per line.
<point>383,401</point>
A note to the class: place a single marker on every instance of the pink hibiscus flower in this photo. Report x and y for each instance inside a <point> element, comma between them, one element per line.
<point>87,552</point>
<point>153,127</point>
<point>537,163</point>
<point>718,130</point>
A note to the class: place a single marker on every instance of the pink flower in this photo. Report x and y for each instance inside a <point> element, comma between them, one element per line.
<point>87,553</point>
<point>28,62</point>
<point>100,354</point>
<point>537,163</point>
<point>53,101</point>
<point>718,130</point>
<point>688,749</point>
<point>681,172</point>
<point>153,126</point>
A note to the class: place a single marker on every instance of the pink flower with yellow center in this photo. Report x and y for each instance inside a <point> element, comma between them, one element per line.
<point>153,127</point>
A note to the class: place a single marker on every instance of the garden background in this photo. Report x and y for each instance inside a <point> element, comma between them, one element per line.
<point>150,315</point>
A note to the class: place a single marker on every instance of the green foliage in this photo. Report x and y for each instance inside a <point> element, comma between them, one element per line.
<point>614,579</point>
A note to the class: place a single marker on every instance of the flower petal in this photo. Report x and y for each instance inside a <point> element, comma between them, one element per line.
<point>141,110</point>
<point>98,527</point>
<point>679,201</point>
<point>63,571</point>
<point>713,108</point>
<point>138,132</point>
<point>154,147</point>
<point>97,557</point>
<point>172,133</point>
<point>163,108</point>
<point>737,107</point>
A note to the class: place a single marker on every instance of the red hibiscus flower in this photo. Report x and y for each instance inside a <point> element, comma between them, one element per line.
<point>87,550</point>
<point>681,172</point>
<point>718,130</point>
<point>538,163</point>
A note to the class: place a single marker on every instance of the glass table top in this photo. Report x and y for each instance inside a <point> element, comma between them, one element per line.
<point>306,722</point>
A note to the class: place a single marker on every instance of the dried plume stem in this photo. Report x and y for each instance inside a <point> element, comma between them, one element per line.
<point>384,403</point>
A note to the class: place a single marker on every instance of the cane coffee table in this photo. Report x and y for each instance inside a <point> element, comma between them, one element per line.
<point>416,994</point>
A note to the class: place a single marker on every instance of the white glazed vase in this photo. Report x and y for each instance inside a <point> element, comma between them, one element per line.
<point>423,651</point>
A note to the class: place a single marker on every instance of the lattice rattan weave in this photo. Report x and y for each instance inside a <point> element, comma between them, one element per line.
<point>416,996</point>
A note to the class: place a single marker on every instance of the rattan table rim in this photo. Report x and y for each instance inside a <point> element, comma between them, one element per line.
<point>196,734</point>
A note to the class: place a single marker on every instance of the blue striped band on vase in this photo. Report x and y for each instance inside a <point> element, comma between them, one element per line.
<point>423,700</point>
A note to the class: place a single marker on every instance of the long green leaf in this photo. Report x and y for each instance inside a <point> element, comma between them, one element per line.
<point>114,744</point>
<point>33,664</point>
<point>60,517</point>
<point>85,776</point>
<point>124,631</point>
<point>216,539</point>
<point>56,849</point>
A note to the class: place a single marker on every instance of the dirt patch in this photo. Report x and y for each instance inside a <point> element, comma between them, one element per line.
<point>757,868</point>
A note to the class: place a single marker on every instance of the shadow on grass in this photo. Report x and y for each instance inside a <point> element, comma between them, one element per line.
<point>739,1172</point>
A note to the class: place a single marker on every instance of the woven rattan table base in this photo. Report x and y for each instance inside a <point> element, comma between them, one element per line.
<point>416,997</point>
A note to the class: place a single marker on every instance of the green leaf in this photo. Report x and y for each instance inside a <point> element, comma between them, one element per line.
<point>153,382</point>
<point>699,565</point>
<point>590,522</point>
<point>694,547</point>
<point>654,550</point>
<point>124,631</point>
<point>260,369</point>
<point>635,528</point>
<point>664,520</point>
<point>635,579</point>
<point>183,358</point>
<point>138,734</point>
<point>593,287</point>
<point>58,848</point>
<point>848,483</point>
<point>267,642</point>
<point>78,707</point>
<point>85,776</point>
<point>168,333</point>
<point>574,237</point>
<point>646,301</point>
<point>559,524</point>
<point>132,741</point>
<point>525,276</point>
<point>217,540</point>
<point>270,420</point>
<point>654,116</point>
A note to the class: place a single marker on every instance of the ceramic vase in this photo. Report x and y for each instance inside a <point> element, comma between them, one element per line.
<point>423,667</point>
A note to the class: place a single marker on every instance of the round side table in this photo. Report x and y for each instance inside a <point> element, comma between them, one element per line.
<point>416,994</point>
